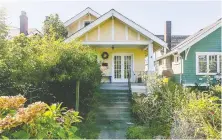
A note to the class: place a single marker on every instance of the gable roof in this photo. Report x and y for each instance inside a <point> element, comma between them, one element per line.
<point>14,31</point>
<point>81,14</point>
<point>124,19</point>
<point>175,39</point>
<point>191,40</point>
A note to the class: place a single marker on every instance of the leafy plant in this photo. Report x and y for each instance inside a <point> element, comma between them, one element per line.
<point>39,120</point>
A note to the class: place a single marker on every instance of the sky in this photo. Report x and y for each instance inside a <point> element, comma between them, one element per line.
<point>187,17</point>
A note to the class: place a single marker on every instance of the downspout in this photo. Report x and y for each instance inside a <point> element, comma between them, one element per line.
<point>181,68</point>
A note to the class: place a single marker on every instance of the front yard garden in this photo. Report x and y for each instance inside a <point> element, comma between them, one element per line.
<point>38,85</point>
<point>172,111</point>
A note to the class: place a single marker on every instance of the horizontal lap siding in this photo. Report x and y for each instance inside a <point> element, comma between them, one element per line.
<point>211,43</point>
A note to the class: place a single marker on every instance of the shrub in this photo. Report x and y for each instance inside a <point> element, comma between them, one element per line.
<point>37,120</point>
<point>182,112</point>
<point>199,117</point>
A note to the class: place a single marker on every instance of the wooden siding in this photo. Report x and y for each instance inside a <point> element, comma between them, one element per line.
<point>211,43</point>
<point>72,28</point>
<point>120,33</point>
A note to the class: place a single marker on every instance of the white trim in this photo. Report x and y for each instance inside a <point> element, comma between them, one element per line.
<point>98,33</point>
<point>207,54</point>
<point>81,14</point>
<point>186,52</point>
<point>126,32</point>
<point>151,67</point>
<point>113,28</point>
<point>122,56</point>
<point>191,40</point>
<point>123,19</point>
<point>138,36</point>
<point>201,84</point>
<point>115,43</point>
<point>175,58</point>
<point>183,46</point>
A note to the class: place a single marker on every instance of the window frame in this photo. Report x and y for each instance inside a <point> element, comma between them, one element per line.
<point>207,54</point>
<point>175,58</point>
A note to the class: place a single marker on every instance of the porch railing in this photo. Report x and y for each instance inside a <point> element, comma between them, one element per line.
<point>140,76</point>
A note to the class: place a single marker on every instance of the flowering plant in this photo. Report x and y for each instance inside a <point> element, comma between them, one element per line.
<point>37,120</point>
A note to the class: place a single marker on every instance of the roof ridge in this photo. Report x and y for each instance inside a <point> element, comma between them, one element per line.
<point>123,16</point>
<point>196,34</point>
<point>80,13</point>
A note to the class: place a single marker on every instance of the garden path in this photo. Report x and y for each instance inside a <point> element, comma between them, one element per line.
<point>114,116</point>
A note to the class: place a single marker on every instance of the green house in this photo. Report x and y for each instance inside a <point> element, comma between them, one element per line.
<point>195,61</point>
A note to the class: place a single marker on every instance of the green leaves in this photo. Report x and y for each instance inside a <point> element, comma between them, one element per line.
<point>21,134</point>
<point>54,27</point>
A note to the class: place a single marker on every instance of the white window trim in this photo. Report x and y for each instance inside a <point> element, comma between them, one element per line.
<point>174,58</point>
<point>207,54</point>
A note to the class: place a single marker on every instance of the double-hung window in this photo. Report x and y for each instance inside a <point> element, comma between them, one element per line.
<point>208,63</point>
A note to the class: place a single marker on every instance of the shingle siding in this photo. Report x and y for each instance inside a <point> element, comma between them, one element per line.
<point>211,43</point>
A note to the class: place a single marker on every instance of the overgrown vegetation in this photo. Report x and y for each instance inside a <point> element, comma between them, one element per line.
<point>37,120</point>
<point>46,69</point>
<point>171,111</point>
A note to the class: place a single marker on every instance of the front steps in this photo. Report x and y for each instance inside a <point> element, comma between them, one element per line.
<point>114,115</point>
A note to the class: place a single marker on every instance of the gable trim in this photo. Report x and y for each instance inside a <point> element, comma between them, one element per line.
<point>81,14</point>
<point>199,38</point>
<point>124,20</point>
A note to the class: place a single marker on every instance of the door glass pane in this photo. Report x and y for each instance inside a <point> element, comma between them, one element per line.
<point>212,63</point>
<point>202,62</point>
<point>117,67</point>
<point>127,66</point>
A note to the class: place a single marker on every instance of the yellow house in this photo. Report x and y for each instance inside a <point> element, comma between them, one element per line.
<point>121,44</point>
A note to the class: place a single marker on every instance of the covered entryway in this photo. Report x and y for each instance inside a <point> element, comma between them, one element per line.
<point>122,65</point>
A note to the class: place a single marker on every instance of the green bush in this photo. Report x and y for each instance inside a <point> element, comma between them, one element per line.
<point>88,129</point>
<point>36,121</point>
<point>155,129</point>
<point>182,112</point>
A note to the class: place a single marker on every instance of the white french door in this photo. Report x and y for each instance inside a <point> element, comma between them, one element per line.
<point>122,64</point>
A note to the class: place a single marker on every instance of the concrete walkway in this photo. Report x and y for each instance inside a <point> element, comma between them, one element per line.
<point>114,114</point>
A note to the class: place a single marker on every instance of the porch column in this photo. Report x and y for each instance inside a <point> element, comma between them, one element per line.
<point>151,67</point>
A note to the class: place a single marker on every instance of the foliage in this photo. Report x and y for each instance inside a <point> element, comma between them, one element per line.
<point>34,66</point>
<point>3,26</point>
<point>182,112</point>
<point>88,129</point>
<point>53,26</point>
<point>199,117</point>
<point>38,120</point>
<point>154,130</point>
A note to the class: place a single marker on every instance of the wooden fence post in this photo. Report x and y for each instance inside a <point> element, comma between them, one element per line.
<point>77,95</point>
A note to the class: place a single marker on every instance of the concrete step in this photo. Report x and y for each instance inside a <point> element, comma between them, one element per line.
<point>109,103</point>
<point>115,105</point>
<point>114,115</point>
<point>114,109</point>
<point>115,92</point>
<point>115,88</point>
<point>112,123</point>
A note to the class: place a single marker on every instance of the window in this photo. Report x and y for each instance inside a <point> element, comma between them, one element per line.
<point>208,63</point>
<point>86,23</point>
<point>176,59</point>
<point>212,63</point>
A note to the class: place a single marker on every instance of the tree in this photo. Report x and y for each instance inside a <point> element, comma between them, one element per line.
<point>54,26</point>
